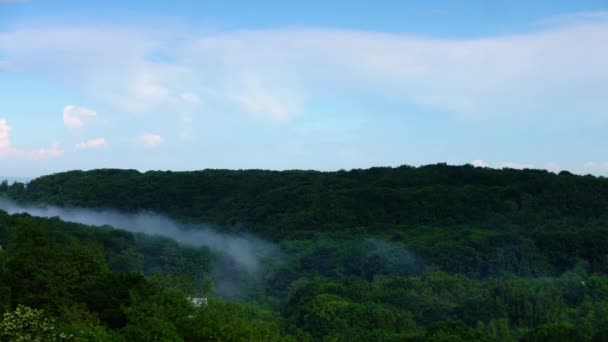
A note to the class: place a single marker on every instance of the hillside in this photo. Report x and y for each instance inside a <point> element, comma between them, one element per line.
<point>434,253</point>
<point>281,204</point>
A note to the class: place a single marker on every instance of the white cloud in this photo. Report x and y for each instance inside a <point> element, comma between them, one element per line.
<point>479,163</point>
<point>190,97</point>
<point>75,117</point>
<point>274,74</point>
<point>8,151</point>
<point>553,167</point>
<point>595,167</point>
<point>5,130</point>
<point>509,165</point>
<point>149,140</point>
<point>512,165</point>
<point>92,144</point>
<point>140,91</point>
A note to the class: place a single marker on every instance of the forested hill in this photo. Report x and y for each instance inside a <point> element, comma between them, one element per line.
<point>378,199</point>
<point>434,253</point>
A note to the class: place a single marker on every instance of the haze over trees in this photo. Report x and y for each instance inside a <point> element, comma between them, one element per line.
<point>432,253</point>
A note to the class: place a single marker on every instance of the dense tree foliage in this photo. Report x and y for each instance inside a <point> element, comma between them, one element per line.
<point>436,253</point>
<point>55,276</point>
<point>279,204</point>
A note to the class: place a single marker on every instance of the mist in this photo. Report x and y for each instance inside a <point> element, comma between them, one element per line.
<point>239,252</point>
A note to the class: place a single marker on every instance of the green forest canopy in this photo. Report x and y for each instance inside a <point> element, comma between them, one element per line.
<point>377,199</point>
<point>386,254</point>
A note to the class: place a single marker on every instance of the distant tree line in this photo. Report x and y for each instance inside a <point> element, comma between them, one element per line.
<point>280,204</point>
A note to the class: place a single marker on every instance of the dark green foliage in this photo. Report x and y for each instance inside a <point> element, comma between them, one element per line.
<point>55,268</point>
<point>435,253</point>
<point>281,203</point>
<point>559,332</point>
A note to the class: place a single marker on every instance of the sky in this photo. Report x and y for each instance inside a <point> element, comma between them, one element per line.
<point>326,85</point>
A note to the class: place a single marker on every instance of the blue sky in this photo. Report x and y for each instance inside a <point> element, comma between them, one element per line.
<point>323,85</point>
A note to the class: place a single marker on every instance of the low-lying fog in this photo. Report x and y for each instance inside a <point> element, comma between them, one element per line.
<point>246,250</point>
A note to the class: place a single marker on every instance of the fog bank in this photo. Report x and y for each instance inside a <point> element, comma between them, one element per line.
<point>245,250</point>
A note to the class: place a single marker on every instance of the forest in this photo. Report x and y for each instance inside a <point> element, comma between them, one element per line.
<point>430,253</point>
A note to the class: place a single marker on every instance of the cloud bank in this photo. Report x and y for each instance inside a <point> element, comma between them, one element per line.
<point>275,74</point>
<point>596,167</point>
<point>553,167</point>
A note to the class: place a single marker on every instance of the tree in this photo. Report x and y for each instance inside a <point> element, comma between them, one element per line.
<point>27,324</point>
<point>4,186</point>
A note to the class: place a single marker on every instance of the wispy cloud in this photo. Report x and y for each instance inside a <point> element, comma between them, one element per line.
<point>551,166</point>
<point>513,165</point>
<point>92,144</point>
<point>149,140</point>
<point>507,165</point>
<point>590,167</point>
<point>75,117</point>
<point>479,163</point>
<point>596,167</point>
<point>275,74</point>
<point>190,97</point>
<point>8,151</point>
